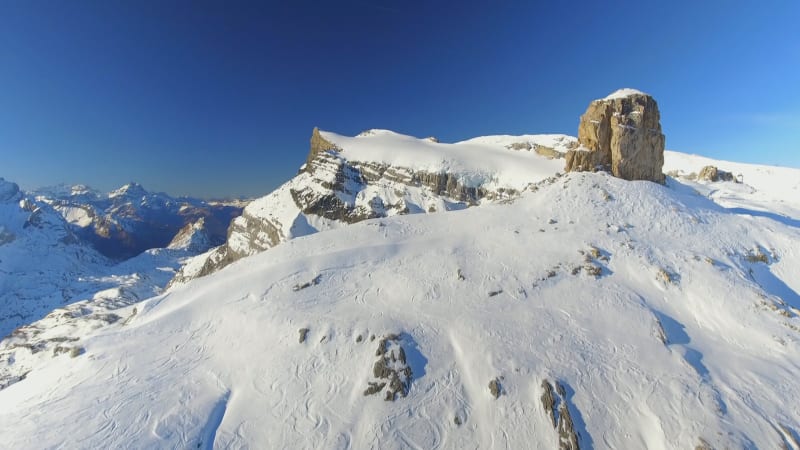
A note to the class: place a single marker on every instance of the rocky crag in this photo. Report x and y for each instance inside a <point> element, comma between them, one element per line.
<point>621,134</point>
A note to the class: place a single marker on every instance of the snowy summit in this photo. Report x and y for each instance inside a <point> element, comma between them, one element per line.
<point>622,93</point>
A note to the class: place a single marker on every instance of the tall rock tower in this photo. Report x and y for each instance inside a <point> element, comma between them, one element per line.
<point>621,133</point>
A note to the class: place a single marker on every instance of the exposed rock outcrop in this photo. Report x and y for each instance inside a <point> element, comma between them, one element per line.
<point>319,145</point>
<point>390,369</point>
<point>547,152</point>
<point>495,388</point>
<point>622,134</point>
<point>557,409</point>
<point>712,173</point>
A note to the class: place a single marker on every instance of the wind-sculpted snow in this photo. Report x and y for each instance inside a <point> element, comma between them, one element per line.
<point>686,333</point>
<point>89,296</point>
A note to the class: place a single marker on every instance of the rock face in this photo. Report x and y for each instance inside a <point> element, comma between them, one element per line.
<point>319,145</point>
<point>622,134</point>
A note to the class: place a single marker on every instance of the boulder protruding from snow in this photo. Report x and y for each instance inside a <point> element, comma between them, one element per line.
<point>621,133</point>
<point>712,173</point>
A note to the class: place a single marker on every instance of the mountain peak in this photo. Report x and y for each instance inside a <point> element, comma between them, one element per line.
<point>81,189</point>
<point>132,189</point>
<point>193,237</point>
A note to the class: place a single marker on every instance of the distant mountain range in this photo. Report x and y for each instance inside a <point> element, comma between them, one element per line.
<point>64,244</point>
<point>129,220</point>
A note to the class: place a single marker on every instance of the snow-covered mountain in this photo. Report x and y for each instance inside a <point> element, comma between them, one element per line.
<point>130,220</point>
<point>380,173</point>
<point>41,259</point>
<point>193,236</point>
<point>47,262</point>
<point>562,311</point>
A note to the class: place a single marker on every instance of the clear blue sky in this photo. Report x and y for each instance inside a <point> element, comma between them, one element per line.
<point>219,98</point>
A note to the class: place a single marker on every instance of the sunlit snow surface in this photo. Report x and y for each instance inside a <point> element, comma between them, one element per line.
<point>483,161</point>
<point>622,93</point>
<point>684,334</point>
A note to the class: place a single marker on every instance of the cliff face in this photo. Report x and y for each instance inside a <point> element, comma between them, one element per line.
<point>622,134</point>
<point>319,145</point>
<point>348,180</point>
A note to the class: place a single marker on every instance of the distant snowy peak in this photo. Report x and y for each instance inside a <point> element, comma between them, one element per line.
<point>68,192</point>
<point>131,189</point>
<point>193,237</point>
<point>81,189</point>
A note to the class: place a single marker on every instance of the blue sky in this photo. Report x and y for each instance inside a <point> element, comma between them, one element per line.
<point>219,98</point>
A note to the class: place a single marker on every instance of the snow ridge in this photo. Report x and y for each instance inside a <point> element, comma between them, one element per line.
<point>622,93</point>
<point>380,173</point>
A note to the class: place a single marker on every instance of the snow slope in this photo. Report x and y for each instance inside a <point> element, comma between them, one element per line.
<point>67,300</point>
<point>762,188</point>
<point>664,319</point>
